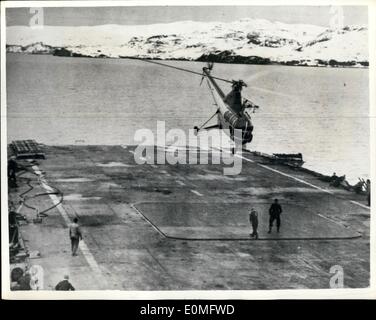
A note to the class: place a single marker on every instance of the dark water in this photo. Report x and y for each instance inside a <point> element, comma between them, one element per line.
<point>320,112</point>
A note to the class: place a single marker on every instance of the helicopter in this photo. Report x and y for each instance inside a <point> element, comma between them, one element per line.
<point>232,109</point>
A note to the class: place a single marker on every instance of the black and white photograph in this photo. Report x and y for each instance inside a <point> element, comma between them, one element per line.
<point>187,150</point>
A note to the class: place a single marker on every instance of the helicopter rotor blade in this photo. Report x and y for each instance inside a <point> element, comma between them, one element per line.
<point>182,69</point>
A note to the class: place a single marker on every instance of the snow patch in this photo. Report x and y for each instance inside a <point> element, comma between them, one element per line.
<point>297,44</point>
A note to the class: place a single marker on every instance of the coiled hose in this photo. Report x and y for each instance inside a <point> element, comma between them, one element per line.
<point>25,198</point>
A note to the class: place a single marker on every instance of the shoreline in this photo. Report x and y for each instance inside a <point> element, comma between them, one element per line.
<point>216,58</point>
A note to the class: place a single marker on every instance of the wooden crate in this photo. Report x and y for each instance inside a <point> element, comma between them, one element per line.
<point>27,149</point>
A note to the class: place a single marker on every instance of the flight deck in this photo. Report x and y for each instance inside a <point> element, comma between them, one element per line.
<point>186,227</point>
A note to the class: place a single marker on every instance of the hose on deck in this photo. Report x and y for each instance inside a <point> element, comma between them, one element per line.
<point>25,198</point>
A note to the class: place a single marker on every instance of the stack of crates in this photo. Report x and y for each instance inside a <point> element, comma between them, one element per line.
<point>27,149</point>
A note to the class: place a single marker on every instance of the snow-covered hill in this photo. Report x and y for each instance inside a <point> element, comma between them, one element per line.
<point>244,41</point>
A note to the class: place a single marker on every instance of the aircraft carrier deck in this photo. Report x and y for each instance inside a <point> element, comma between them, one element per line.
<point>185,227</point>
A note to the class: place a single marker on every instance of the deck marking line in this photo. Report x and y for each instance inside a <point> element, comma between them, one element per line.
<point>360,204</point>
<point>286,175</point>
<point>228,152</point>
<point>19,208</point>
<point>309,184</point>
<point>148,221</point>
<point>83,247</point>
<point>299,180</point>
<point>327,218</point>
<point>197,193</point>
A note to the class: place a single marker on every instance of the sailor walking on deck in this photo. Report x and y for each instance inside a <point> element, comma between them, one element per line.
<point>253,219</point>
<point>275,214</point>
<point>75,235</point>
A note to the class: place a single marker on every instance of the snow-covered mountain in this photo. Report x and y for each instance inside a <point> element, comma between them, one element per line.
<point>243,41</point>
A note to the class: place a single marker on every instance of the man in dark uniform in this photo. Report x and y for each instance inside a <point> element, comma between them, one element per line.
<point>64,285</point>
<point>253,219</point>
<point>275,214</point>
<point>75,235</point>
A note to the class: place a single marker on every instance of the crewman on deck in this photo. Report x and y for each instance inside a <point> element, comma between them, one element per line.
<point>253,219</point>
<point>64,285</point>
<point>368,186</point>
<point>275,214</point>
<point>24,282</point>
<point>12,169</point>
<point>75,235</point>
<point>13,228</point>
